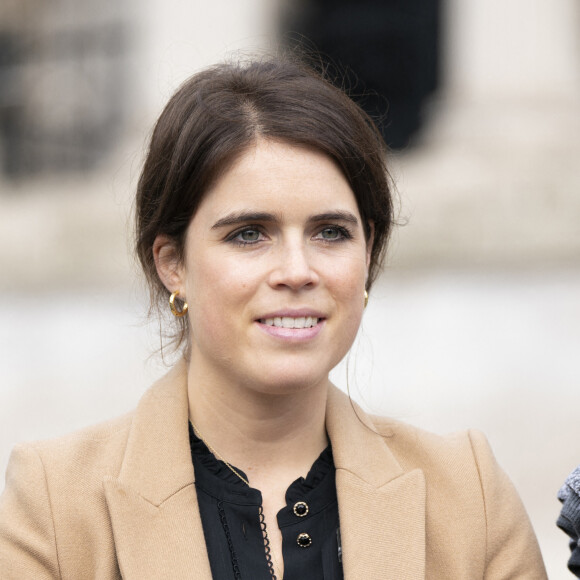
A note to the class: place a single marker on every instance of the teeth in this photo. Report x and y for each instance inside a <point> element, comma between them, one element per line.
<point>288,322</point>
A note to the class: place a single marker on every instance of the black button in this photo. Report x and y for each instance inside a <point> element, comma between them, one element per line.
<point>304,540</point>
<point>300,509</point>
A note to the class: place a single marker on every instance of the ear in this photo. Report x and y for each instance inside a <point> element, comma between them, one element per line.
<point>168,264</point>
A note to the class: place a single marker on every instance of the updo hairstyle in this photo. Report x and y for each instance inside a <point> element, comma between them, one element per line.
<point>221,111</point>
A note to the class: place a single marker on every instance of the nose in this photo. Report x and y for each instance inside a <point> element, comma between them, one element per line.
<point>293,266</point>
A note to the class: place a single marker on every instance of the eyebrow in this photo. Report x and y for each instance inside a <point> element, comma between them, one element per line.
<point>242,217</point>
<point>335,216</point>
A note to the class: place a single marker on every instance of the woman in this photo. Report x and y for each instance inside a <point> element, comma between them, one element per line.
<point>263,211</point>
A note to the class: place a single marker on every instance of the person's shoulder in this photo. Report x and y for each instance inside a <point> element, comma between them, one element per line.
<point>99,449</point>
<point>415,447</point>
<point>401,431</point>
<point>101,432</point>
<point>100,446</point>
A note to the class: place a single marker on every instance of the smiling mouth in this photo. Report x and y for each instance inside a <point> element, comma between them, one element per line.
<point>288,322</point>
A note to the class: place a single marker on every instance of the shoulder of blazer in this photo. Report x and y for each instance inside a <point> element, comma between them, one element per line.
<point>102,444</point>
<point>54,513</point>
<point>396,432</point>
<point>447,456</point>
<point>75,464</point>
<point>53,516</point>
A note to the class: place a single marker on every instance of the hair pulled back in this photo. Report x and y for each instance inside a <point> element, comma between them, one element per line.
<point>217,114</point>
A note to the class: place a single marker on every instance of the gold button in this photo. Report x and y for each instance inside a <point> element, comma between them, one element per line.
<point>300,509</point>
<point>304,540</point>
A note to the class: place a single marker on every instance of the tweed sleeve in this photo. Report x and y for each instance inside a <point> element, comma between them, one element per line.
<point>512,551</point>
<point>27,539</point>
<point>569,519</point>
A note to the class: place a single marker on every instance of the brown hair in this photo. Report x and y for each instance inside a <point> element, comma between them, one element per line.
<point>218,113</point>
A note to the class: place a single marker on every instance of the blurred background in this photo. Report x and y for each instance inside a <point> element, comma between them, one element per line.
<point>476,319</point>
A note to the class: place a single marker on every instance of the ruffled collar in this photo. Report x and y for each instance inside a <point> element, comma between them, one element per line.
<point>318,488</point>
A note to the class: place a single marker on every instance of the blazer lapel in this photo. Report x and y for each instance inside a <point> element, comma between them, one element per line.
<point>152,503</point>
<point>381,507</point>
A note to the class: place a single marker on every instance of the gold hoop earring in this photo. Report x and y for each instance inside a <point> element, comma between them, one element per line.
<point>366,298</point>
<point>174,311</point>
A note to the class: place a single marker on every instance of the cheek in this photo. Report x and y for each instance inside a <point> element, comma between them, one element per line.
<point>348,280</point>
<point>213,319</point>
<point>348,294</point>
<point>218,291</point>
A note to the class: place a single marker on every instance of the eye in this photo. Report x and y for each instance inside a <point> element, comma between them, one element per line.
<point>249,235</point>
<point>246,236</point>
<point>330,233</point>
<point>333,233</point>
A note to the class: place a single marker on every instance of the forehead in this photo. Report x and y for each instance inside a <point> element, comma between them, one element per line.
<point>284,177</point>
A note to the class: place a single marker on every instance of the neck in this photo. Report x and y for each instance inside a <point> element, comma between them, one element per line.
<point>264,435</point>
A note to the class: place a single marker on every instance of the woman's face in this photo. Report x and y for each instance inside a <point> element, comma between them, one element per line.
<point>274,271</point>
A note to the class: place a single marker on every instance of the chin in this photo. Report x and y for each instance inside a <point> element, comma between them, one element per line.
<point>290,382</point>
<point>287,373</point>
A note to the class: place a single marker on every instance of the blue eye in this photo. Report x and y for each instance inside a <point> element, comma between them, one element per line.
<point>334,234</point>
<point>249,235</point>
<point>330,233</point>
<point>246,236</point>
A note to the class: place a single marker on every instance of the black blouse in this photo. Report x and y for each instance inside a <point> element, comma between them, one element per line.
<point>231,515</point>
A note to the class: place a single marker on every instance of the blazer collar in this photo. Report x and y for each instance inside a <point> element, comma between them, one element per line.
<point>159,439</point>
<point>381,507</point>
<point>153,504</point>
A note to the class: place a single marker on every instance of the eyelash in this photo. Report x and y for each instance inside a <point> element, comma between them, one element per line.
<point>235,237</point>
<point>345,234</point>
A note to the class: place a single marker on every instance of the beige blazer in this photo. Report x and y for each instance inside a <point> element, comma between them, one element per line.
<point>118,500</point>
